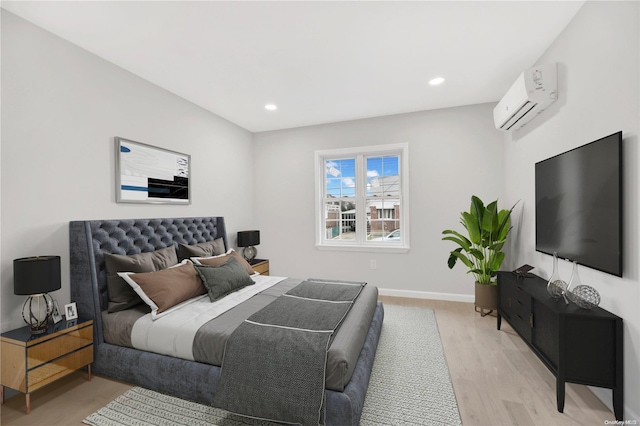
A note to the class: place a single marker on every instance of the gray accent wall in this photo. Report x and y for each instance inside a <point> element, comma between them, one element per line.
<point>599,84</point>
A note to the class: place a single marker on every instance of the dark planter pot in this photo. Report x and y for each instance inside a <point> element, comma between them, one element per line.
<point>486,298</point>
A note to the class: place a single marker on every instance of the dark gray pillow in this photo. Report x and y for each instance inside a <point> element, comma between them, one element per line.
<point>121,295</point>
<point>224,279</point>
<point>209,248</point>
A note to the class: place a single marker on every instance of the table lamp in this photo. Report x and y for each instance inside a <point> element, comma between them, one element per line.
<point>35,277</point>
<point>249,239</point>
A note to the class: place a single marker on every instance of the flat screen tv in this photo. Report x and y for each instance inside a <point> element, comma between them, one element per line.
<point>579,205</point>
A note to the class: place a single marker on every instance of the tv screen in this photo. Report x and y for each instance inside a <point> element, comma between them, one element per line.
<point>579,205</point>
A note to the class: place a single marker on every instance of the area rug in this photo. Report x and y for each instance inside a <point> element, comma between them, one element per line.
<point>410,385</point>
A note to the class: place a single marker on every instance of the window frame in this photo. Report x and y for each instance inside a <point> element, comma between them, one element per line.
<point>360,154</point>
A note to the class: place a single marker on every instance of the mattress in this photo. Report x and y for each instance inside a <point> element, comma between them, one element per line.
<point>210,339</point>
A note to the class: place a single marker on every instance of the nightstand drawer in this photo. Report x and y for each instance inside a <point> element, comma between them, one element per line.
<point>60,367</point>
<point>46,351</point>
<point>31,361</point>
<point>261,267</point>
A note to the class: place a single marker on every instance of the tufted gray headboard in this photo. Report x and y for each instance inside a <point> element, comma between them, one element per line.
<point>90,239</point>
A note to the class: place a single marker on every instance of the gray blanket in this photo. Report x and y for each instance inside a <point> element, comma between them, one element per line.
<point>274,362</point>
<point>211,339</point>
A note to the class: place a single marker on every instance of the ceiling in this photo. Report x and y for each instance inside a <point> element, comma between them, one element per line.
<point>319,62</point>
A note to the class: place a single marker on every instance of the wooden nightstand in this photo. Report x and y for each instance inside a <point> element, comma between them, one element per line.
<point>31,361</point>
<point>261,266</point>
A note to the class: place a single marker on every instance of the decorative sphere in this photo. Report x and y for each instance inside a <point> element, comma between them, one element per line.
<point>585,296</point>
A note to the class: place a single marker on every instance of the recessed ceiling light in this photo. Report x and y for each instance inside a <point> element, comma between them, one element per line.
<point>271,107</point>
<point>436,81</point>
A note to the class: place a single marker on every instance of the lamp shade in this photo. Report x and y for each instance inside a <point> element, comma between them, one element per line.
<point>35,275</point>
<point>248,238</point>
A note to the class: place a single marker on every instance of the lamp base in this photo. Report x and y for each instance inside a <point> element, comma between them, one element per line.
<point>249,253</point>
<point>36,311</point>
<point>40,330</point>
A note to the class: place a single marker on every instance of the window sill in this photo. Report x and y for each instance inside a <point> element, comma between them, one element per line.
<point>362,248</point>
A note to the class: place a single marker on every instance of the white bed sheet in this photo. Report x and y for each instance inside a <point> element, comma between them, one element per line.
<point>173,334</point>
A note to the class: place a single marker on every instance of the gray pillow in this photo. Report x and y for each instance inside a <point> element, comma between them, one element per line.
<point>224,279</point>
<point>209,248</point>
<point>121,295</point>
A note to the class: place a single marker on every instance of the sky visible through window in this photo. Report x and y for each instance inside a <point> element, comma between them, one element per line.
<point>341,177</point>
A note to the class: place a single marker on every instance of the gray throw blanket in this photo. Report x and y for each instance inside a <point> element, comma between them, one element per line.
<point>274,362</point>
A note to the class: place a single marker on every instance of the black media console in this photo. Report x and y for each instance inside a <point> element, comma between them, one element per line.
<point>577,345</point>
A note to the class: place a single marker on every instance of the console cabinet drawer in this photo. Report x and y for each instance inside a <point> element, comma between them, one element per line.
<point>515,304</point>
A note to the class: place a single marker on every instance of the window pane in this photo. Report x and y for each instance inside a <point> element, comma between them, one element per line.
<point>340,177</point>
<point>383,177</point>
<point>383,219</point>
<point>340,220</point>
<point>333,188</point>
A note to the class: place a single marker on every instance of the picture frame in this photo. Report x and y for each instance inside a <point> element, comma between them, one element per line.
<point>149,174</point>
<point>71,311</point>
<point>56,317</point>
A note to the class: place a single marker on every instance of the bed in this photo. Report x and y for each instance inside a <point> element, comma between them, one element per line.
<point>191,380</point>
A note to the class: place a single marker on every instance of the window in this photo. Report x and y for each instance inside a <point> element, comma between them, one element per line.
<point>362,198</point>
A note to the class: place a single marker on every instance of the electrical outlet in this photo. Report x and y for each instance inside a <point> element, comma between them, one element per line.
<point>373,264</point>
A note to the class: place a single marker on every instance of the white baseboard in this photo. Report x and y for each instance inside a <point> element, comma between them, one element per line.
<point>469,298</point>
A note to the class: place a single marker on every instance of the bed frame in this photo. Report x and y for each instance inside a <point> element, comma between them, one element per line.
<point>194,381</point>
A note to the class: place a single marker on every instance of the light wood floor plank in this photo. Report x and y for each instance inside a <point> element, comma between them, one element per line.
<point>496,378</point>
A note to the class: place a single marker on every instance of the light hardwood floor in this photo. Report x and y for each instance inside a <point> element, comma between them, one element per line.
<point>496,378</point>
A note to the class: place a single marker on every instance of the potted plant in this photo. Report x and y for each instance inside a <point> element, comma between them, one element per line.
<point>481,250</point>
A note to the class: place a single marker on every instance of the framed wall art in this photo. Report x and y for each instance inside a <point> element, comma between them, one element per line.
<point>148,174</point>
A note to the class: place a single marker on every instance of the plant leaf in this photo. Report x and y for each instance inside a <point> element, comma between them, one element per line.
<point>471,224</point>
<point>477,207</point>
<point>459,235</point>
<point>496,246</point>
<point>462,243</point>
<point>476,253</point>
<point>463,258</point>
<point>451,262</point>
<point>490,218</point>
<point>477,210</point>
<point>497,261</point>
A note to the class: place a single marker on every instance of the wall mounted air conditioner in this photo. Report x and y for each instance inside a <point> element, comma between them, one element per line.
<point>534,90</point>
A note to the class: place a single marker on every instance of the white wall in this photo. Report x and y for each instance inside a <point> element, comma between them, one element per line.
<point>599,73</point>
<point>454,153</point>
<point>61,108</point>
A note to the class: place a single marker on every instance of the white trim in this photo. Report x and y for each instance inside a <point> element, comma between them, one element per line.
<point>372,149</point>
<point>402,150</point>
<point>364,248</point>
<point>413,294</point>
